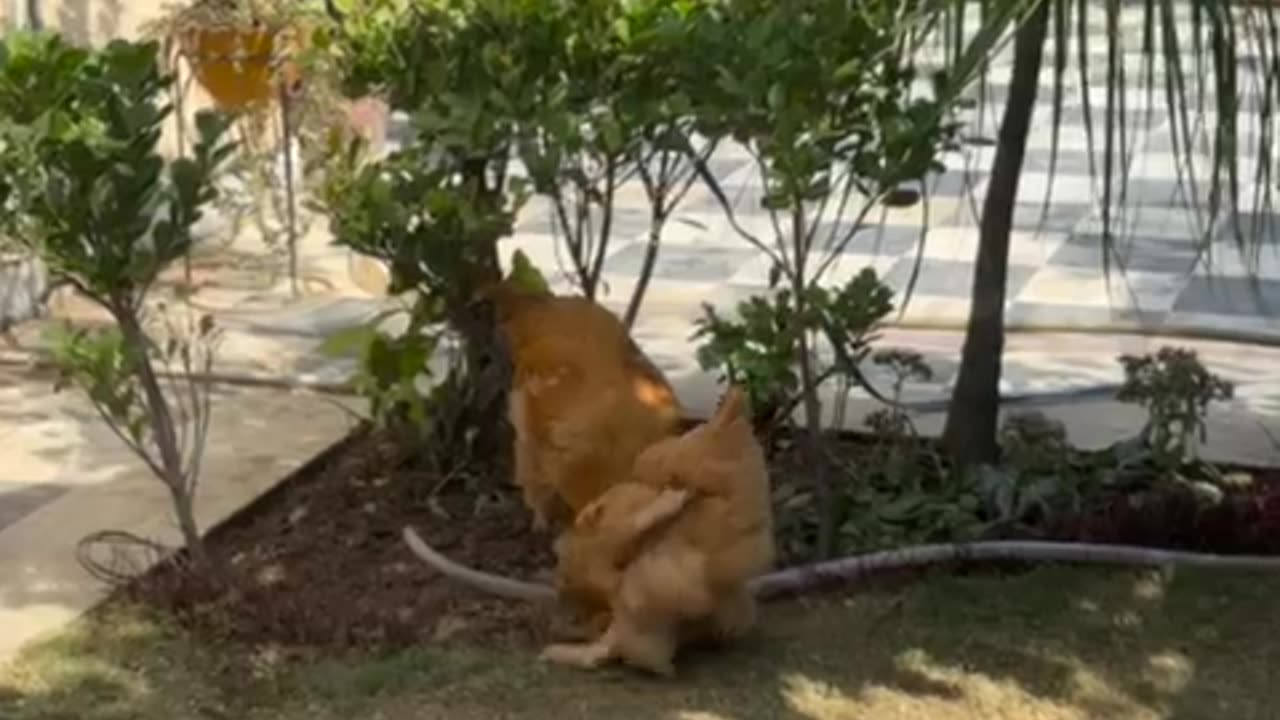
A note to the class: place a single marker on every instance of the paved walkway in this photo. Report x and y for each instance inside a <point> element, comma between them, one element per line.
<point>65,475</point>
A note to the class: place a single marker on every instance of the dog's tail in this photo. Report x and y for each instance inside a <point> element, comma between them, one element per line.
<point>477,579</point>
<point>733,407</point>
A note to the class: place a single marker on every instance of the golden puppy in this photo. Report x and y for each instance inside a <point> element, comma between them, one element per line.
<point>604,538</point>
<point>584,401</point>
<point>667,556</point>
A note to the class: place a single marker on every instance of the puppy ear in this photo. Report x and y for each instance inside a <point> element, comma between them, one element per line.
<point>589,517</point>
<point>733,407</point>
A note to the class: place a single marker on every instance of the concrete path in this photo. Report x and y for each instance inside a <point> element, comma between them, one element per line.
<point>64,475</point>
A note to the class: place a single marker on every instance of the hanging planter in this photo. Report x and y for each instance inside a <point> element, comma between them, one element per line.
<point>235,65</point>
<point>239,51</point>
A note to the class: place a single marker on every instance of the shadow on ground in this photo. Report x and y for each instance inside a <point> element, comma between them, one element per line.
<point>1055,643</point>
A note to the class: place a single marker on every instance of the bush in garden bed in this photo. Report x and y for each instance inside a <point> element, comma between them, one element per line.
<point>895,488</point>
<point>86,190</point>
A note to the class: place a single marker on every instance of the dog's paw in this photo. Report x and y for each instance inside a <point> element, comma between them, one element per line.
<point>581,656</point>
<point>668,504</point>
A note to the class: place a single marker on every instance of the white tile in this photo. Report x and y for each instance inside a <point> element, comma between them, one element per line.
<point>930,308</point>
<point>1081,287</point>
<point>961,244</point>
<point>1032,187</point>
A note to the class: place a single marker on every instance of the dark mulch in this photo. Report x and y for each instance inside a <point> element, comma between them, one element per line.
<point>320,561</point>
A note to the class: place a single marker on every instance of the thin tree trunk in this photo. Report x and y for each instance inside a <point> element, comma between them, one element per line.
<point>812,402</point>
<point>160,417</point>
<point>483,403</point>
<point>646,270</point>
<point>970,433</point>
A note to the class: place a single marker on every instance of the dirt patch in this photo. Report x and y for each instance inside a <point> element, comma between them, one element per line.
<point>321,562</point>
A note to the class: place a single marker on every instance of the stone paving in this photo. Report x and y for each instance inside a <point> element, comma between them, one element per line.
<point>64,475</point>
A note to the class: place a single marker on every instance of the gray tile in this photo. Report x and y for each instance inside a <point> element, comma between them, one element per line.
<point>949,278</point>
<point>319,320</point>
<point>23,500</point>
<point>1230,296</point>
<point>681,262</point>
<point>955,183</point>
<point>534,221</point>
<point>1148,254</point>
<point>1059,217</point>
<point>743,198</point>
<point>1159,192</point>
<point>1080,315</point>
<point>1264,226</point>
<point>628,222</point>
<point>1073,116</point>
<point>873,239</point>
<point>722,167</point>
<point>1070,162</point>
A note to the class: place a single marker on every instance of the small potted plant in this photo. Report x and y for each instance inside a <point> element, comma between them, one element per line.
<point>238,50</point>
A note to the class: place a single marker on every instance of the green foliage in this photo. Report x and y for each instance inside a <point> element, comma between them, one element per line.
<point>880,514</point>
<point>897,443</point>
<point>1037,483</point>
<point>757,350</point>
<point>525,275</point>
<point>101,363</point>
<point>38,71</point>
<point>392,368</point>
<point>1176,389</point>
<point>820,90</point>
<point>754,352</point>
<point>105,210</point>
<point>107,213</point>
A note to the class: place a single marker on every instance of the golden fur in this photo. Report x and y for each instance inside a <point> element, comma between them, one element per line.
<point>666,556</point>
<point>584,401</point>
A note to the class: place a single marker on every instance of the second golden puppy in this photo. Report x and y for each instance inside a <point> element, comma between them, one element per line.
<point>668,555</point>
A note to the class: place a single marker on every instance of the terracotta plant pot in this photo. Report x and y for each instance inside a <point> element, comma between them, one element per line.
<point>236,65</point>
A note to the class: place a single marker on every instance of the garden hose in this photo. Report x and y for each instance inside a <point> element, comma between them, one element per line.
<point>844,570</point>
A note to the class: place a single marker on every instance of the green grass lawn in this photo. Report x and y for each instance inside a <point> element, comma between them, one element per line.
<point>1055,643</point>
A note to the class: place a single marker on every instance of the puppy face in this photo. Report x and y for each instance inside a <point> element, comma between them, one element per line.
<point>589,554</point>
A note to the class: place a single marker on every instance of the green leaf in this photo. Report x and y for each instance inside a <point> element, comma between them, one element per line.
<point>525,275</point>
<point>901,509</point>
<point>348,342</point>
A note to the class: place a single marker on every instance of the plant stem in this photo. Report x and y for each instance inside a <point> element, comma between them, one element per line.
<point>180,134</point>
<point>970,433</point>
<point>162,427</point>
<point>809,392</point>
<point>656,223</point>
<point>290,206</point>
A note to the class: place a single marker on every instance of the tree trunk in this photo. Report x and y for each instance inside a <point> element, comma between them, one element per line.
<point>970,433</point>
<point>481,399</point>
<point>164,433</point>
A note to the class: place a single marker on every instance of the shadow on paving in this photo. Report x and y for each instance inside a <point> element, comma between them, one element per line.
<point>1054,643</point>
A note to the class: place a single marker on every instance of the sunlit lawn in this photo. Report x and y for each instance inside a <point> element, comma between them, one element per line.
<point>1055,643</point>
